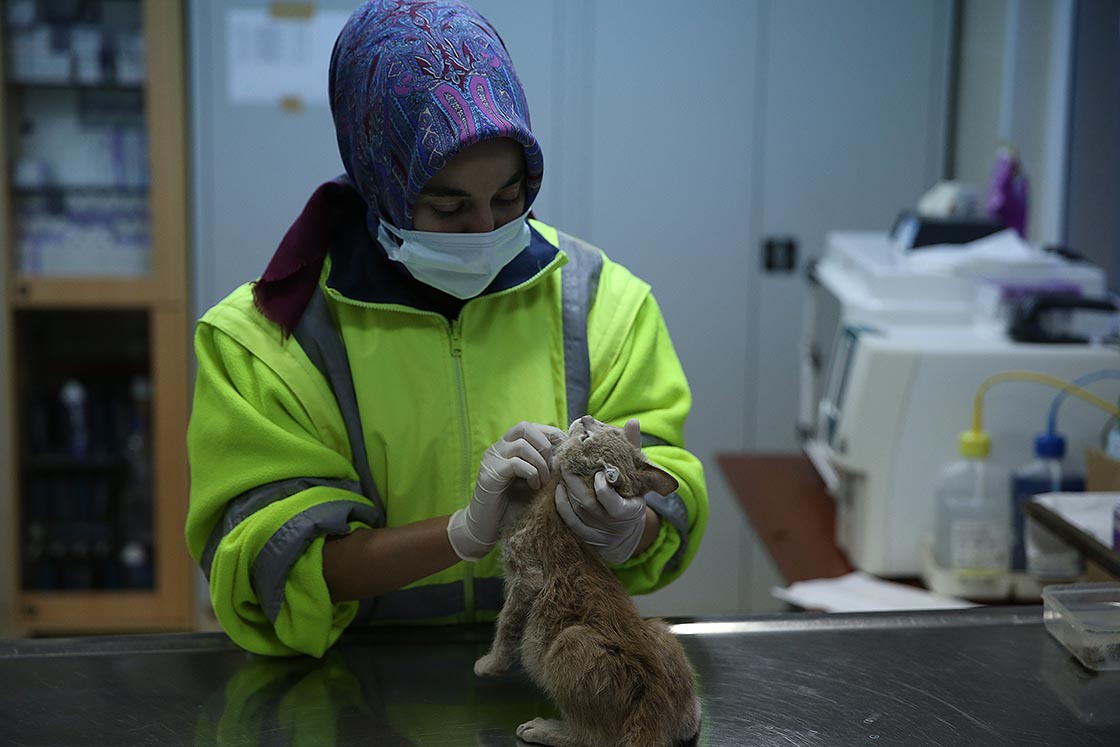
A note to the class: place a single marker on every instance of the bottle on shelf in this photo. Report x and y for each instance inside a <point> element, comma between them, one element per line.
<point>135,521</point>
<point>1034,548</point>
<point>973,524</point>
<point>74,401</point>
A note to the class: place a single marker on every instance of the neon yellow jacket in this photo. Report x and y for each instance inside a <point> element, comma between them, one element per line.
<point>268,447</point>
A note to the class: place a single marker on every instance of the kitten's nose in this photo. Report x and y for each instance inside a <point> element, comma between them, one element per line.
<point>581,423</point>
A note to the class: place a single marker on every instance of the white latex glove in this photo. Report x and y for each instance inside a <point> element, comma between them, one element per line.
<point>524,451</point>
<point>603,519</point>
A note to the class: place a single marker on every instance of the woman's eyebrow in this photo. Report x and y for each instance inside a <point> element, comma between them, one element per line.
<point>438,191</point>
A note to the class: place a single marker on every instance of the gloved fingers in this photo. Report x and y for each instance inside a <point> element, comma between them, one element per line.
<point>497,457</point>
<point>615,506</point>
<point>583,498</point>
<point>523,451</point>
<point>570,513</point>
<point>542,437</point>
<point>529,472</point>
<point>633,431</point>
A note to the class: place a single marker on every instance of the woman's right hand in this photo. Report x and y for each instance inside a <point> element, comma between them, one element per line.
<point>525,451</point>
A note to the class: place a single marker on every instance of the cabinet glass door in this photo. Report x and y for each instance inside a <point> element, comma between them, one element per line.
<point>85,458</point>
<point>78,141</point>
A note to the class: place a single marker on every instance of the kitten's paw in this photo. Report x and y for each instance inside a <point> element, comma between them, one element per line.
<point>491,665</point>
<point>543,731</point>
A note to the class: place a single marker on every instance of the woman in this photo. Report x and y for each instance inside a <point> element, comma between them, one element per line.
<point>350,442</point>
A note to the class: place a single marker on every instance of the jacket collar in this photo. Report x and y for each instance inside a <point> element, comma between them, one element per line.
<point>361,271</point>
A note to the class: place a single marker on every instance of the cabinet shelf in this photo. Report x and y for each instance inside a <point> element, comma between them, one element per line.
<point>65,463</point>
<point>79,189</point>
<point>83,611</point>
<point>43,292</point>
<point>30,83</point>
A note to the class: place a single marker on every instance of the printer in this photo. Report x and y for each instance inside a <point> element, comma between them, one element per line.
<point>894,347</point>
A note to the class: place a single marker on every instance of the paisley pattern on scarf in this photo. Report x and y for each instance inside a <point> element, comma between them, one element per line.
<point>413,83</point>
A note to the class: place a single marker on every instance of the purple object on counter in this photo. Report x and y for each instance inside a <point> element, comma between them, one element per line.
<point>1008,192</point>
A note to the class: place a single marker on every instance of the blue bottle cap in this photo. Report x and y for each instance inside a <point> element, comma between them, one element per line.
<point>1049,446</point>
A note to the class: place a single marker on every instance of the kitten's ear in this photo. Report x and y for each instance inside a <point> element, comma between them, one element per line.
<point>658,480</point>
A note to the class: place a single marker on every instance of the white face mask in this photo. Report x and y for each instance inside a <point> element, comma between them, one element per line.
<point>460,264</point>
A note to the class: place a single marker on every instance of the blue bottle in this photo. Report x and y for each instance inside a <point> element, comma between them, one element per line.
<point>1044,474</point>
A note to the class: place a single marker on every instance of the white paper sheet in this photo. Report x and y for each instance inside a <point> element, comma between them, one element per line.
<point>272,59</point>
<point>862,592</point>
<point>989,254</point>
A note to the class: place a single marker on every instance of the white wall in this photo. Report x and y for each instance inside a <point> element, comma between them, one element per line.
<point>1013,74</point>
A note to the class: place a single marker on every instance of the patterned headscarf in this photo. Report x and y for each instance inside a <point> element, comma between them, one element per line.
<point>413,83</point>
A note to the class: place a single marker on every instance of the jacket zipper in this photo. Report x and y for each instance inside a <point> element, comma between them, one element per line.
<point>455,335</point>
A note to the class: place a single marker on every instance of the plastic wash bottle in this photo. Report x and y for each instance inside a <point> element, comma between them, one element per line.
<point>973,525</point>
<point>1035,548</point>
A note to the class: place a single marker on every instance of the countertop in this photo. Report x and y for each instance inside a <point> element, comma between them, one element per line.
<point>984,676</point>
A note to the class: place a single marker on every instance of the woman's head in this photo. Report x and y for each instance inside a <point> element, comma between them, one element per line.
<point>420,85</point>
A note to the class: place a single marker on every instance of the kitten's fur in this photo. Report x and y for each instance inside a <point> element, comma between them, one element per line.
<point>617,679</point>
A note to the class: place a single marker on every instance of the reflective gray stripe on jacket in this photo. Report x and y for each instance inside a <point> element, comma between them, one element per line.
<point>323,345</point>
<point>580,282</point>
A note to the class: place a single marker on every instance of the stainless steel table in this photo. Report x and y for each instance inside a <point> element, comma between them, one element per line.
<point>988,676</point>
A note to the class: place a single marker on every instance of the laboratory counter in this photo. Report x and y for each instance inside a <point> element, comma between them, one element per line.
<point>982,676</point>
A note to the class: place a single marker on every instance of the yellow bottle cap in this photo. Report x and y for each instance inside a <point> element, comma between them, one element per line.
<point>975,444</point>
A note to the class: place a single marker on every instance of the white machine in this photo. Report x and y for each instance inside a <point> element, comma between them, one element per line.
<point>894,351</point>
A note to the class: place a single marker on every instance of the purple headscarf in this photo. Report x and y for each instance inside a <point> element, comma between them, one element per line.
<point>412,84</point>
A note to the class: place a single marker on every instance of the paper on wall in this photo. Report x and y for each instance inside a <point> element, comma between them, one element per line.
<point>273,59</point>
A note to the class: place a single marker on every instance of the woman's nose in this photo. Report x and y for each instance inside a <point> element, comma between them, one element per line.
<point>480,221</point>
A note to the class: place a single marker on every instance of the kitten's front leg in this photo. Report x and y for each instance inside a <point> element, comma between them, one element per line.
<point>507,634</point>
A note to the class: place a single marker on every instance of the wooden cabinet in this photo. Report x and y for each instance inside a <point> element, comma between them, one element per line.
<point>93,220</point>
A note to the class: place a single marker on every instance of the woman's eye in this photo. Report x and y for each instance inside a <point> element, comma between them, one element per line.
<point>512,195</point>
<point>446,208</point>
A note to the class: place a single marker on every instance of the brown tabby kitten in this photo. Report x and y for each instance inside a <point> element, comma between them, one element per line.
<point>617,679</point>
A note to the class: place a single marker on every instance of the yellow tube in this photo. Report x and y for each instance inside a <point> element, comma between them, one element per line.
<point>1040,378</point>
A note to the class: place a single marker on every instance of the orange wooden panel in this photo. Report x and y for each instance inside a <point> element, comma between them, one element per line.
<point>788,506</point>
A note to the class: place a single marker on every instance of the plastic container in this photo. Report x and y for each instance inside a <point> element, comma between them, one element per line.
<point>1033,547</point>
<point>973,526</point>
<point>1085,618</point>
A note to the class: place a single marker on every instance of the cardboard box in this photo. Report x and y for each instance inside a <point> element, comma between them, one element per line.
<point>1102,472</point>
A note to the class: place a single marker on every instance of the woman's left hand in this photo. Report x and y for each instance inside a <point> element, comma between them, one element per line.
<point>603,519</point>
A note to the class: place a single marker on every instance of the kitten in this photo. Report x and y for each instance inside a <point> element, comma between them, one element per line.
<point>617,679</point>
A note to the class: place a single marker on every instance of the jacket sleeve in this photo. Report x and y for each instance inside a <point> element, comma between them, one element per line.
<point>270,478</point>
<point>645,380</point>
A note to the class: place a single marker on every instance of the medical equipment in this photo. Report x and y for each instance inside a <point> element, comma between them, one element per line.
<point>893,351</point>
